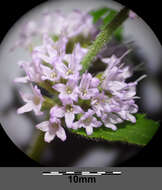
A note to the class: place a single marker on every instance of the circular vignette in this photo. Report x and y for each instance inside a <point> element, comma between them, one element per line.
<point>144,59</point>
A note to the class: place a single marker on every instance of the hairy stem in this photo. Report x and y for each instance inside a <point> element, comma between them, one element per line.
<point>103,37</point>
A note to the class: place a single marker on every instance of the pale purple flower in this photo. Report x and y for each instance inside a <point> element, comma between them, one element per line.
<point>99,103</point>
<point>50,74</point>
<point>69,111</point>
<point>87,121</point>
<point>33,102</point>
<point>121,94</point>
<point>73,24</point>
<point>52,129</point>
<point>51,52</point>
<point>114,79</point>
<point>114,60</point>
<point>127,109</point>
<point>68,90</point>
<point>115,87</point>
<point>32,69</point>
<point>26,34</point>
<point>112,105</point>
<point>52,23</point>
<point>71,67</point>
<point>56,112</point>
<point>79,52</point>
<point>123,90</point>
<point>111,61</point>
<point>57,23</point>
<point>110,119</point>
<point>109,100</point>
<point>124,73</point>
<point>126,91</point>
<point>25,79</point>
<point>115,70</point>
<point>87,87</point>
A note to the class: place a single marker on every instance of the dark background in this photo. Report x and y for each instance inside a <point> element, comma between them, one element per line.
<point>10,12</point>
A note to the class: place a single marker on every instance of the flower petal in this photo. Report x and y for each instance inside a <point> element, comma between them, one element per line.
<point>26,97</point>
<point>22,79</point>
<point>36,109</point>
<point>26,108</point>
<point>59,87</point>
<point>94,82</point>
<point>75,125</point>
<point>61,133</point>
<point>56,111</point>
<point>131,118</point>
<point>111,126</point>
<point>89,130</point>
<point>49,136</point>
<point>77,109</point>
<point>92,91</point>
<point>44,126</point>
<point>69,118</point>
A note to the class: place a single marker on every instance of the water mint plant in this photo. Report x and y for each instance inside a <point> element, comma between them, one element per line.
<point>99,104</point>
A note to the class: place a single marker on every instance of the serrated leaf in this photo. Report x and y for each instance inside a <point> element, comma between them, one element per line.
<point>139,133</point>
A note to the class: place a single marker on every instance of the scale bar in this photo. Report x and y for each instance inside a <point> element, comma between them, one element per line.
<point>88,173</point>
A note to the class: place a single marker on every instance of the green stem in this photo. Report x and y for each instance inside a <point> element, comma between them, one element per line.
<point>103,37</point>
<point>37,147</point>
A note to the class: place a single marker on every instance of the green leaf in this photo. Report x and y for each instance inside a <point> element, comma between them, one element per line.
<point>106,15</point>
<point>118,33</point>
<point>139,133</point>
<point>97,14</point>
<point>108,18</point>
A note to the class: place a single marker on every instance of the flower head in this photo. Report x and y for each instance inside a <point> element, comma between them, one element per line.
<point>74,99</point>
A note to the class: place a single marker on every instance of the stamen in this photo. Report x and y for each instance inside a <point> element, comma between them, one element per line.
<point>69,72</point>
<point>53,75</point>
<point>69,108</point>
<point>69,90</point>
<point>55,125</point>
<point>87,121</point>
<point>140,78</point>
<point>84,91</point>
